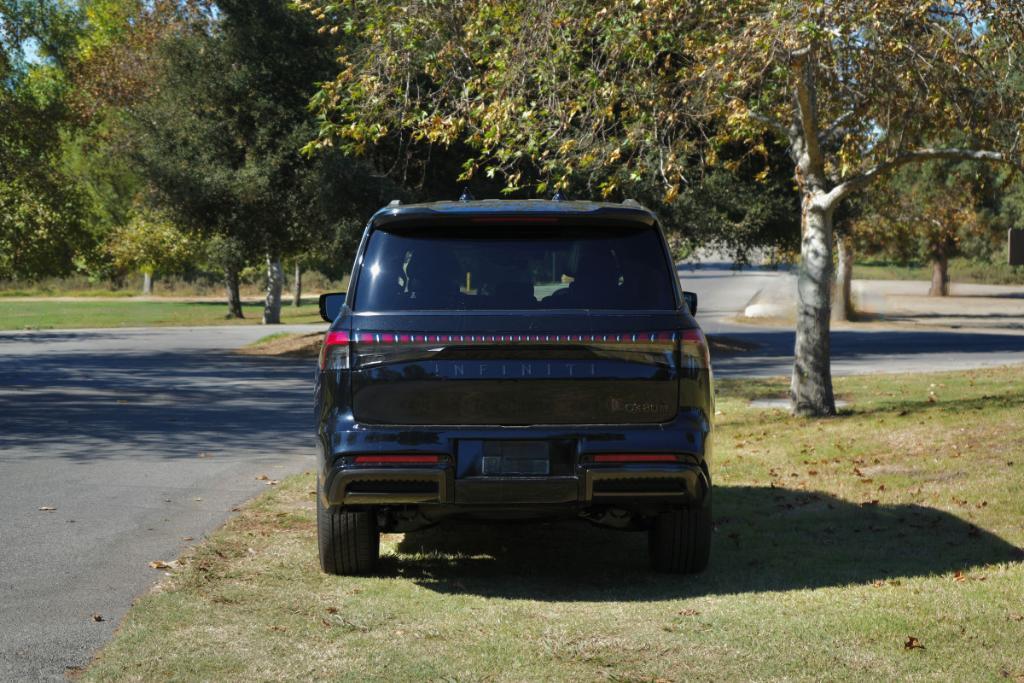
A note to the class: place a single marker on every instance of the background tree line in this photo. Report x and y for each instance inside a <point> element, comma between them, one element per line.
<point>166,135</point>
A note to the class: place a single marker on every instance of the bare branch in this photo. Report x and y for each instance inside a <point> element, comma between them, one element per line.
<point>807,105</point>
<point>925,154</point>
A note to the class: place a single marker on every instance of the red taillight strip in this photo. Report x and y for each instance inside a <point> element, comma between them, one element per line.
<point>485,338</point>
<point>397,459</point>
<point>695,337</point>
<point>636,457</point>
<point>334,338</point>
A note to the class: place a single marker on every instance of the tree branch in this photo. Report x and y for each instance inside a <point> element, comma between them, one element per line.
<point>807,106</point>
<point>917,156</point>
<point>769,122</point>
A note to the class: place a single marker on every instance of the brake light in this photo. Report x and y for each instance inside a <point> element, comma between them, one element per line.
<point>334,354</point>
<point>397,459</point>
<point>694,348</point>
<point>635,457</point>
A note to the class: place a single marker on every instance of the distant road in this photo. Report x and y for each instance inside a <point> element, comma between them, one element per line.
<point>723,293</point>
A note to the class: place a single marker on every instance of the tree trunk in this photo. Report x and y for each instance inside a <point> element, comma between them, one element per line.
<point>234,298</point>
<point>147,283</point>
<point>940,276</point>
<point>842,306</point>
<point>811,386</point>
<point>275,282</point>
<point>297,286</point>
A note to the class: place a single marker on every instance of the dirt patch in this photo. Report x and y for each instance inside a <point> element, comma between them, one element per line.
<point>292,346</point>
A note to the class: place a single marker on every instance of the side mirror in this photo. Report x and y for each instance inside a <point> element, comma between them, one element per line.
<point>691,301</point>
<point>330,305</point>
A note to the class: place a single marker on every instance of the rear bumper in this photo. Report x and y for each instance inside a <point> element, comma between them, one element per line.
<point>622,486</point>
<point>577,483</point>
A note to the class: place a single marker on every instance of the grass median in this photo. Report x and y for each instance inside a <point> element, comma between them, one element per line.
<point>114,312</point>
<point>881,544</point>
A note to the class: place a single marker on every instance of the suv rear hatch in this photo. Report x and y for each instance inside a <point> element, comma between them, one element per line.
<point>515,325</point>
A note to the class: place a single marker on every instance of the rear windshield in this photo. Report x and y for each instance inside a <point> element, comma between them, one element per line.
<point>515,268</point>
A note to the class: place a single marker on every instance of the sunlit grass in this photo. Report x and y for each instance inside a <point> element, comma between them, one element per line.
<point>43,315</point>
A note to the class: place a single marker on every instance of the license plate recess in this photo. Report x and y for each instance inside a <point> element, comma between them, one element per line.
<point>504,458</point>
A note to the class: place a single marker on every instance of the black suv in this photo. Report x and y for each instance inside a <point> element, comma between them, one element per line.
<point>509,360</point>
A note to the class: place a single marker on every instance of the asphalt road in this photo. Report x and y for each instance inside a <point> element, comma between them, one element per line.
<point>723,292</point>
<point>144,438</point>
<point>139,439</point>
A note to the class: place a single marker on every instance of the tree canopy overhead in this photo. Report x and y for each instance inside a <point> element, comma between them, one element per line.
<point>652,94</point>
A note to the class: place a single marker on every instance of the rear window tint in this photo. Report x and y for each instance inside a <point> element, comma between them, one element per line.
<point>494,268</point>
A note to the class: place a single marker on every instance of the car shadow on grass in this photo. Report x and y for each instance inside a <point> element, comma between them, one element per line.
<point>766,539</point>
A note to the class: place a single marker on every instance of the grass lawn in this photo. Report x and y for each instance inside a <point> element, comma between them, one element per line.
<point>961,270</point>
<point>19,315</point>
<point>883,544</point>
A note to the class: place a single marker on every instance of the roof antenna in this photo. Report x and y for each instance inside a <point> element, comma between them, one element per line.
<point>466,195</point>
<point>559,196</point>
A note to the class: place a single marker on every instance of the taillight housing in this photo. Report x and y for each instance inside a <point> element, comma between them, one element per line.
<point>694,351</point>
<point>396,459</point>
<point>630,458</point>
<point>336,354</point>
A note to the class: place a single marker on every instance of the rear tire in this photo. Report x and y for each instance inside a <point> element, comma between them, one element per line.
<point>680,540</point>
<point>349,540</point>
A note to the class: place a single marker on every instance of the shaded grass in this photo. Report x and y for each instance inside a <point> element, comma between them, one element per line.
<point>835,541</point>
<point>18,315</point>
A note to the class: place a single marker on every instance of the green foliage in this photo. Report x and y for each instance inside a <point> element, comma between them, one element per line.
<point>925,212</point>
<point>151,243</point>
<point>41,225</point>
<point>601,104</point>
<point>219,139</point>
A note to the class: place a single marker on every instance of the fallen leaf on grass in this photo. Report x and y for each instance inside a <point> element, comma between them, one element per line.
<point>959,576</point>
<point>161,564</point>
<point>47,508</point>
<point>913,643</point>
<point>1016,617</point>
<point>332,610</point>
<point>97,617</point>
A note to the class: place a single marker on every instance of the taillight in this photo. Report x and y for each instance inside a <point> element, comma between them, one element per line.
<point>397,459</point>
<point>335,353</point>
<point>694,350</point>
<point>635,457</point>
